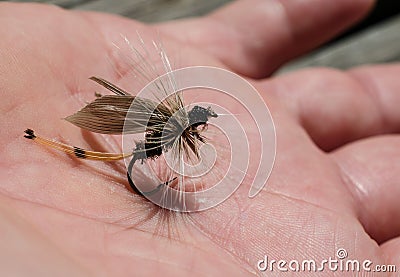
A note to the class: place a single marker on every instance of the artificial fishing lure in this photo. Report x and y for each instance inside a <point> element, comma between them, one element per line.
<point>165,124</point>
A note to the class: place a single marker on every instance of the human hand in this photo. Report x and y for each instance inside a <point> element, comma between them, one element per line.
<point>59,214</point>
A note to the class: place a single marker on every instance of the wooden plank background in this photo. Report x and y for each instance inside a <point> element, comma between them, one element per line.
<point>143,10</point>
<point>377,44</point>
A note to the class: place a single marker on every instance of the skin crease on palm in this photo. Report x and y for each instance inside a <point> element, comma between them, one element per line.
<point>334,183</point>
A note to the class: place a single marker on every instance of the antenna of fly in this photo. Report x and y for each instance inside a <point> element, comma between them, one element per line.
<point>76,151</point>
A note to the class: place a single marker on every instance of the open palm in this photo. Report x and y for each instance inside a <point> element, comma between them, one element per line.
<point>334,184</point>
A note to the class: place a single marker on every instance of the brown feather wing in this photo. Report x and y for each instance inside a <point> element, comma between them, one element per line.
<point>110,113</point>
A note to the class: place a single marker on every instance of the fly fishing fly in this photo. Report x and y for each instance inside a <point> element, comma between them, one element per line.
<point>166,124</point>
<point>183,157</point>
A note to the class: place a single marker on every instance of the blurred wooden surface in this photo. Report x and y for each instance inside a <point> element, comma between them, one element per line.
<point>377,44</point>
<point>143,10</point>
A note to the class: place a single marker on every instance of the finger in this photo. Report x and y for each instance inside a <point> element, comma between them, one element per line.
<point>255,37</point>
<point>336,107</point>
<point>370,171</point>
<point>391,250</point>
